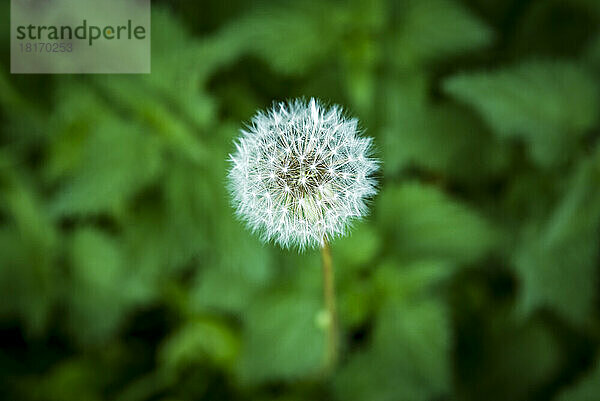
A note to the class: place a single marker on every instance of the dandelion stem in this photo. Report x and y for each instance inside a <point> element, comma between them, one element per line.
<point>329,297</point>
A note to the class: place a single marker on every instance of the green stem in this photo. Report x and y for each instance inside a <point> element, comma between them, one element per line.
<point>331,355</point>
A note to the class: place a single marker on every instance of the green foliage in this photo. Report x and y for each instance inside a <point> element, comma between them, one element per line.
<point>28,249</point>
<point>408,355</point>
<point>438,139</point>
<point>357,250</point>
<point>565,241</point>
<point>422,222</point>
<point>101,287</point>
<point>585,389</point>
<point>529,348</point>
<point>283,339</point>
<point>197,342</point>
<point>433,29</point>
<point>401,362</point>
<point>290,39</point>
<point>125,275</point>
<point>549,105</point>
<point>69,381</point>
<point>106,176</point>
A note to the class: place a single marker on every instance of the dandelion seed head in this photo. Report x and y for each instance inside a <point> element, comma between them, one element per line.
<point>301,174</point>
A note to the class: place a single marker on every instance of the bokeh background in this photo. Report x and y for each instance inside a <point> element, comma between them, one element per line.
<point>124,275</point>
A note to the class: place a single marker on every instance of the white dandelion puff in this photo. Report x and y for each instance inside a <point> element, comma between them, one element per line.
<point>301,174</point>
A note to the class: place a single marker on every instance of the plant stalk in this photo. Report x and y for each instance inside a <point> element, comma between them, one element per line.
<point>331,355</point>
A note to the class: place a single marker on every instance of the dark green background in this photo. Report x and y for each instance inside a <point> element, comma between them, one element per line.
<point>124,275</point>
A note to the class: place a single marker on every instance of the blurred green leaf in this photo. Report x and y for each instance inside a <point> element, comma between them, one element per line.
<point>190,206</point>
<point>10,99</point>
<point>547,104</point>
<point>436,138</point>
<point>291,39</point>
<point>410,281</point>
<point>435,29</point>
<point>28,251</point>
<point>232,278</point>
<point>592,54</point>
<point>179,84</point>
<point>525,354</point>
<point>117,160</point>
<point>101,289</point>
<point>356,250</point>
<point>72,380</point>
<point>423,222</point>
<point>197,341</point>
<point>78,111</point>
<point>155,115</point>
<point>586,388</point>
<point>356,302</point>
<point>281,339</point>
<point>557,258</point>
<point>408,358</point>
